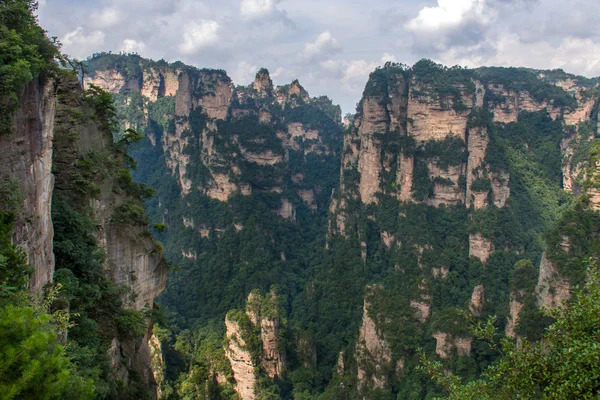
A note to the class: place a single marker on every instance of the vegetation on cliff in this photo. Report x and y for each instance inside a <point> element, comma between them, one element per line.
<point>26,54</point>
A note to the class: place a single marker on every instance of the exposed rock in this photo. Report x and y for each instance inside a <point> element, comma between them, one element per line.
<point>430,120</point>
<point>477,300</point>
<point>261,312</point>
<point>263,84</point>
<point>189,254</point>
<point>445,342</point>
<point>388,239</point>
<point>501,189</point>
<point>111,80</point>
<point>514,102</point>
<point>221,188</point>
<point>308,197</point>
<point>264,158</point>
<point>158,362</point>
<point>479,94</point>
<point>477,143</point>
<point>440,272</point>
<point>26,160</point>
<point>133,258</point>
<point>241,361</point>
<point>375,119</point>
<point>570,170</point>
<point>373,349</point>
<point>134,262</point>
<point>273,360</point>
<point>422,309</point>
<point>216,105</point>
<point>340,366</point>
<point>446,187</point>
<point>287,210</point>
<point>480,247</point>
<point>513,318</point>
<point>404,177</point>
<point>552,289</point>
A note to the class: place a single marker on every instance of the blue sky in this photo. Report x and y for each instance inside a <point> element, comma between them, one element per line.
<point>332,45</point>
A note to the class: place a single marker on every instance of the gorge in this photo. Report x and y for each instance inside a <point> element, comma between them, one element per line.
<point>212,240</point>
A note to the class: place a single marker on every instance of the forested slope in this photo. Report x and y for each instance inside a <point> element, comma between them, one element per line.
<point>455,195</point>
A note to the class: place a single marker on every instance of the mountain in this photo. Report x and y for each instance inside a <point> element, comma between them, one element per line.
<point>453,191</point>
<point>79,269</point>
<point>308,258</point>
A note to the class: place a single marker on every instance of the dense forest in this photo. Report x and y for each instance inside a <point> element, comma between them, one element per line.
<point>443,245</point>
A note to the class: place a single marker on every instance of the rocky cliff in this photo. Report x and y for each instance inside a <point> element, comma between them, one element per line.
<point>26,159</point>
<point>253,344</point>
<point>449,178</point>
<point>430,167</point>
<point>219,134</point>
<point>92,176</point>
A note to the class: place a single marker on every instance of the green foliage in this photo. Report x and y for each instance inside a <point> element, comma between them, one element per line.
<point>443,83</point>
<point>160,228</point>
<point>481,185</point>
<point>103,104</point>
<point>450,151</point>
<point>131,323</point>
<point>574,238</point>
<point>34,364</point>
<point>523,79</point>
<point>560,366</point>
<point>26,54</point>
<point>377,85</point>
<point>129,213</point>
<point>14,269</point>
<point>127,64</point>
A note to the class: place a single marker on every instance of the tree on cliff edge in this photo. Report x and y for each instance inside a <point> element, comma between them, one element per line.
<point>565,364</point>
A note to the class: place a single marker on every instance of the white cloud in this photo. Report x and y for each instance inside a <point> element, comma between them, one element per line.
<point>79,44</point>
<point>198,35</point>
<point>578,55</point>
<point>354,74</point>
<point>107,18</point>
<point>278,72</point>
<point>451,22</point>
<point>132,46</point>
<point>244,73</point>
<point>257,8</point>
<point>324,46</point>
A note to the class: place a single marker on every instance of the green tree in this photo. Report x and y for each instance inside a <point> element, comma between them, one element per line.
<point>34,365</point>
<point>565,364</point>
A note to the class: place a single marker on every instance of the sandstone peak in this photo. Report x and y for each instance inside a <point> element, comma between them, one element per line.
<point>263,83</point>
<point>297,89</point>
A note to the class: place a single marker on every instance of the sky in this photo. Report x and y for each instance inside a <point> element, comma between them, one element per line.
<point>331,46</point>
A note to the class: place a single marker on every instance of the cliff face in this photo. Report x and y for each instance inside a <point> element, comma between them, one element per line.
<point>241,361</point>
<point>90,176</point>
<point>373,353</point>
<point>221,133</point>
<point>26,160</point>
<point>430,166</point>
<point>259,323</point>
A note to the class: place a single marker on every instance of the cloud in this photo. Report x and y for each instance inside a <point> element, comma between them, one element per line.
<point>107,18</point>
<point>79,44</point>
<point>354,74</point>
<point>257,8</point>
<point>244,73</point>
<point>332,46</point>
<point>450,23</point>
<point>198,35</point>
<point>278,72</point>
<point>578,55</point>
<point>132,46</point>
<point>324,46</point>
